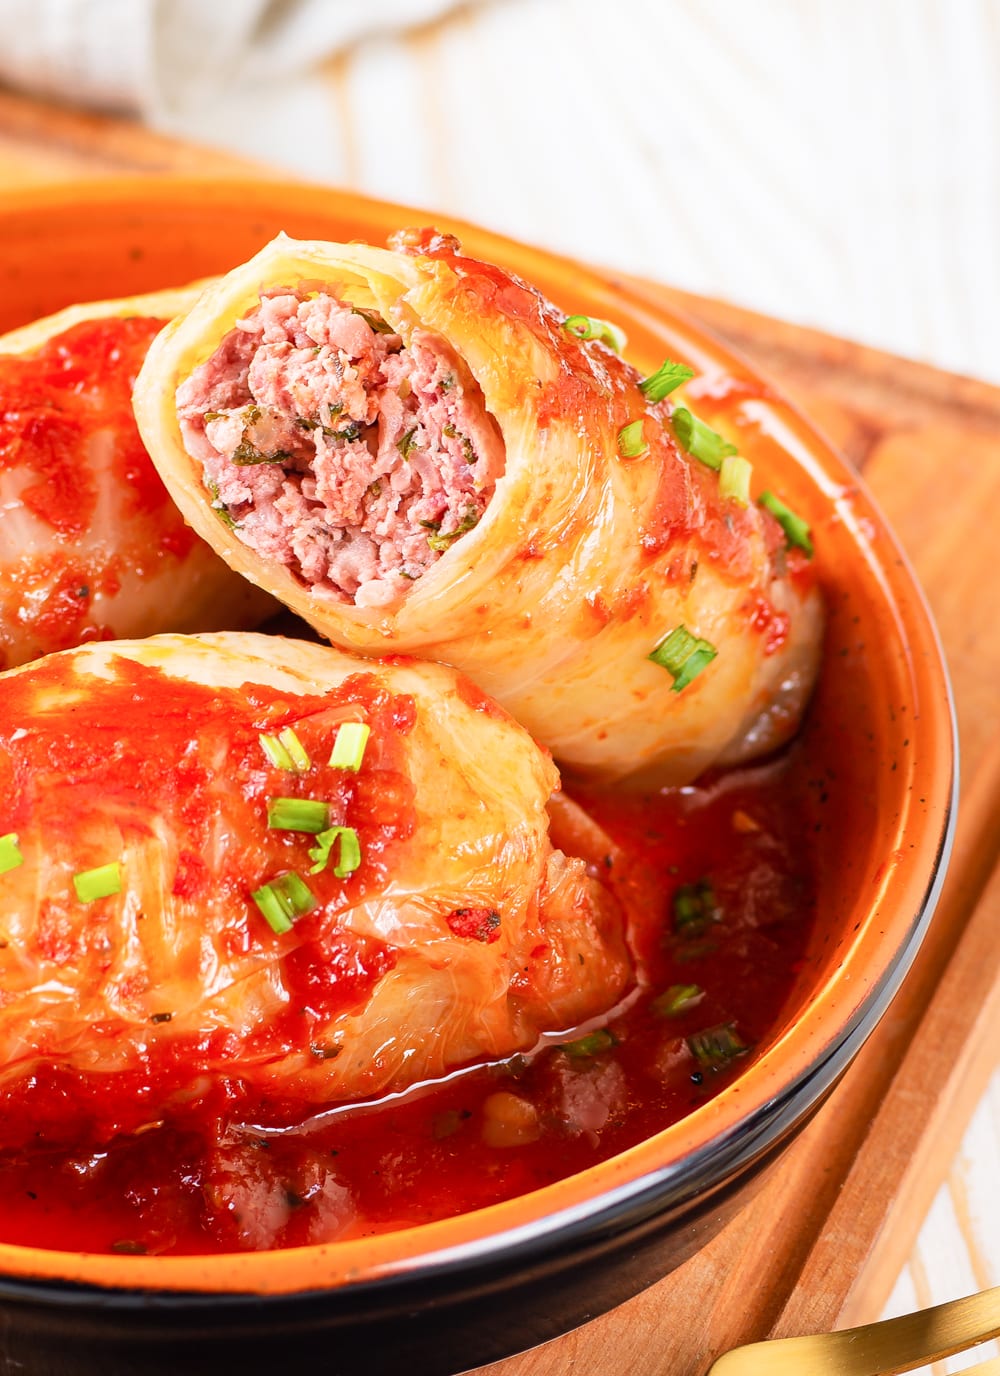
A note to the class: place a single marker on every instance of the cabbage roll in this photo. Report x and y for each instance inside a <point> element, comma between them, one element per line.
<point>91,546</point>
<point>244,868</point>
<point>417,453</point>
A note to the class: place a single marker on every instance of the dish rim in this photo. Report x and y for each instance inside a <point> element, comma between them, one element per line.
<point>646,1179</point>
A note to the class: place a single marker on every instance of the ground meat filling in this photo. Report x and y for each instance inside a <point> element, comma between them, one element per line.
<point>335,449</point>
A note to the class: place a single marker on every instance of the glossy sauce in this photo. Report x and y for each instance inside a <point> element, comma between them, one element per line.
<point>233,1176</point>
<point>55,404</point>
<point>225,1170</point>
<point>88,766</point>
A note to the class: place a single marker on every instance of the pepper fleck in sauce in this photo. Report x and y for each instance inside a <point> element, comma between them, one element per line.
<point>718,887</point>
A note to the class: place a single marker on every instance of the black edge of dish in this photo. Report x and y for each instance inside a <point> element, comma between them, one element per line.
<point>463,1310</point>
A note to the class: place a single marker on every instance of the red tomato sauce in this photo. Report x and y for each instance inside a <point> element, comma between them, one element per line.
<point>52,400</point>
<point>718,882</point>
<point>55,404</point>
<point>152,751</point>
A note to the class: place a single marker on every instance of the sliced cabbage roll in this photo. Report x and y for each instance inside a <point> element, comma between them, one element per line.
<point>91,546</point>
<point>243,867</point>
<point>416,452</point>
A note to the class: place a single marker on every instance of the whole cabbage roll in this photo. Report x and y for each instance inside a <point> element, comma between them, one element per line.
<point>239,868</point>
<point>91,546</point>
<point>416,452</point>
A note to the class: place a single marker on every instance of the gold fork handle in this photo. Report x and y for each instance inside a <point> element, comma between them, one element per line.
<point>876,1349</point>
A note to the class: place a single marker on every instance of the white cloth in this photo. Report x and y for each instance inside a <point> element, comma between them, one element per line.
<point>165,57</point>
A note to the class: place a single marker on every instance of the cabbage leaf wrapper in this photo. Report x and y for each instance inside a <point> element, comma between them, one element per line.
<point>91,546</point>
<point>417,453</point>
<point>245,869</point>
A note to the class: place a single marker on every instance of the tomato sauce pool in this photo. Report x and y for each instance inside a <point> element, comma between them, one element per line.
<point>719,886</point>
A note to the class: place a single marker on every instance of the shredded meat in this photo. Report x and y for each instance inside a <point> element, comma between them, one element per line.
<point>338,450</point>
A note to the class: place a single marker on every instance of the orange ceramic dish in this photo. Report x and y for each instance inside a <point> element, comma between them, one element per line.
<point>880,732</point>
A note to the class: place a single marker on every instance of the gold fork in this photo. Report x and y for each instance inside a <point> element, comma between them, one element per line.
<point>877,1349</point>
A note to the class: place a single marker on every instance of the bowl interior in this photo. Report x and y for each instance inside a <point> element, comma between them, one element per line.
<point>879,736</point>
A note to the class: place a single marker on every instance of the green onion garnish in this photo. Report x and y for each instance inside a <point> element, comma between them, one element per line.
<point>407,442</point>
<point>374,321</point>
<point>734,479</point>
<point>699,439</point>
<point>589,327</point>
<point>676,1000</point>
<point>683,656</point>
<point>276,752</point>
<point>695,908</point>
<point>714,1048</point>
<point>246,454</point>
<point>593,1044</point>
<point>297,814</point>
<point>632,441</point>
<point>439,543</point>
<point>286,751</point>
<point>99,883</point>
<point>10,852</point>
<point>349,747</point>
<point>667,377</point>
<point>350,851</point>
<point>217,505</point>
<point>283,900</point>
<point>796,530</point>
<point>297,751</point>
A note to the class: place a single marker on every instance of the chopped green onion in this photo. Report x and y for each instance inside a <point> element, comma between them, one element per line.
<point>683,656</point>
<point>632,441</point>
<point>714,1048</point>
<point>441,542</point>
<point>286,751</point>
<point>668,376</point>
<point>99,883</point>
<point>593,1044</point>
<point>374,321</point>
<point>695,908</point>
<point>283,900</point>
<point>276,752</point>
<point>734,479</point>
<point>350,851</point>
<point>349,747</point>
<point>407,442</point>
<point>699,439</point>
<point>297,751</point>
<point>10,852</point>
<point>218,506</point>
<point>297,814</point>
<point>796,530</point>
<point>589,327</point>
<point>246,454</point>
<point>676,1000</point>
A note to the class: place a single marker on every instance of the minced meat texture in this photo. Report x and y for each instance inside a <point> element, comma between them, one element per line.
<point>338,450</point>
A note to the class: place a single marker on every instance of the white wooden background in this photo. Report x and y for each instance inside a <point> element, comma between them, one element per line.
<point>835,162</point>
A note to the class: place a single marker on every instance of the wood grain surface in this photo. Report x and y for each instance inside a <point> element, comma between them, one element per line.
<point>823,1242</point>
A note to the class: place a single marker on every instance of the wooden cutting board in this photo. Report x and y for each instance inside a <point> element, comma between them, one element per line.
<point>823,1242</point>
